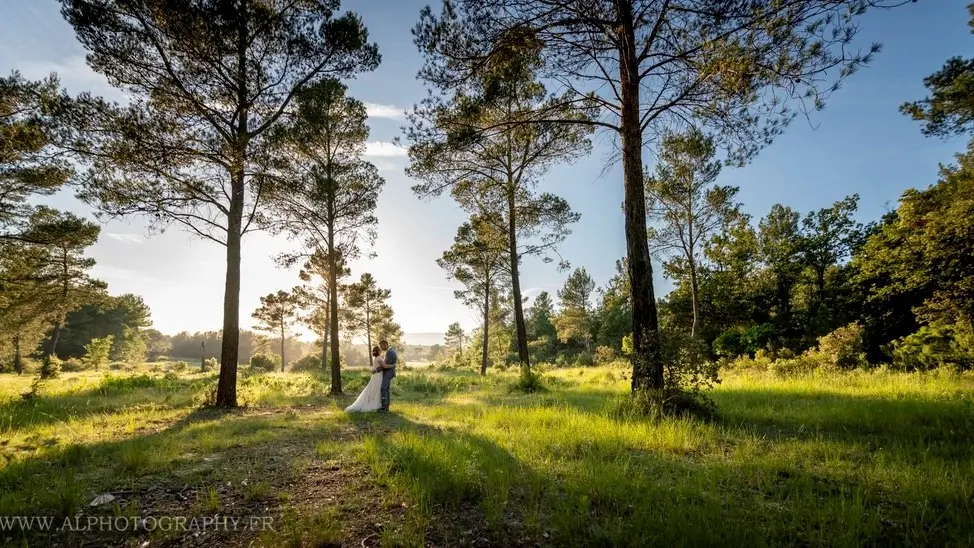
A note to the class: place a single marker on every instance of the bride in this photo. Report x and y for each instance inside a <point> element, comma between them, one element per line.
<point>371,397</point>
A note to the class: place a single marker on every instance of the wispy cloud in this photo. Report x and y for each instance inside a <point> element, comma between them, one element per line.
<point>125,238</point>
<point>375,110</point>
<point>384,149</point>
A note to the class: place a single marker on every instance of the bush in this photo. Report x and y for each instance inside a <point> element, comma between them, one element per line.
<point>685,368</point>
<point>308,364</point>
<point>604,354</point>
<point>585,359</point>
<point>51,368</point>
<point>178,367</point>
<point>803,365</point>
<point>210,364</point>
<point>935,346</point>
<point>265,361</point>
<point>741,341</point>
<point>73,365</point>
<point>842,348</point>
<point>528,382</point>
<point>97,352</point>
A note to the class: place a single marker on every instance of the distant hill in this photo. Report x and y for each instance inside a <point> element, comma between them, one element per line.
<point>423,339</point>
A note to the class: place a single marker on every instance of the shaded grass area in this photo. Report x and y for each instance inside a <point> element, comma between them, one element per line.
<point>860,458</point>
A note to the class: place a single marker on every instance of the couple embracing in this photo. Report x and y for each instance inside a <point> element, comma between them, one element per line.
<point>375,396</point>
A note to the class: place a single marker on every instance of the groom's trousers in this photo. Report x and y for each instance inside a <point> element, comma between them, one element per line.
<point>387,376</point>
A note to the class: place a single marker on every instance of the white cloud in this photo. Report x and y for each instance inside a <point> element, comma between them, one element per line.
<point>75,75</point>
<point>384,149</point>
<point>375,110</point>
<point>125,238</point>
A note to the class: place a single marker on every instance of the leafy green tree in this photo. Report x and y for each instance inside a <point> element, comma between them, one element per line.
<point>828,237</point>
<point>123,317</point>
<point>780,244</point>
<point>27,301</point>
<point>31,117</point>
<point>496,174</point>
<point>574,320</point>
<point>454,337</point>
<point>922,253</point>
<point>324,192</point>
<point>646,65</point>
<point>477,259</point>
<point>208,81</point>
<point>686,209</point>
<point>97,352</point>
<point>323,277</point>
<point>614,310</point>
<point>277,314</point>
<point>949,110</point>
<point>66,272</point>
<point>157,344</point>
<point>542,335</point>
<point>366,311</point>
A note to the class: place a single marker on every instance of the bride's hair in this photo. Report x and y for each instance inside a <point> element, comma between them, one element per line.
<point>376,350</point>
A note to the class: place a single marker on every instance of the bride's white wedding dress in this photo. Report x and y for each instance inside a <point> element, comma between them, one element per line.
<point>371,397</point>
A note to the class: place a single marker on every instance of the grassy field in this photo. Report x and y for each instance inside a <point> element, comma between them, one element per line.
<point>874,458</point>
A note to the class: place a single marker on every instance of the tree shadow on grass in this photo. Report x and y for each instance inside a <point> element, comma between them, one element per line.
<point>463,486</point>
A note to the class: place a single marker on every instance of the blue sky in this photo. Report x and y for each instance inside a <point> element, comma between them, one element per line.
<point>859,144</point>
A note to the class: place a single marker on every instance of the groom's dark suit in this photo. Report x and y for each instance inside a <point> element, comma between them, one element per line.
<point>387,375</point>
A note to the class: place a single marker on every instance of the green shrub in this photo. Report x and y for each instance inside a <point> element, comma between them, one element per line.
<point>605,354</point>
<point>528,382</point>
<point>842,348</point>
<point>178,367</point>
<point>265,361</point>
<point>801,366</point>
<point>73,365</point>
<point>210,364</point>
<point>585,359</point>
<point>51,367</point>
<point>743,341</point>
<point>685,367</point>
<point>935,346</point>
<point>627,345</point>
<point>308,364</point>
<point>97,352</point>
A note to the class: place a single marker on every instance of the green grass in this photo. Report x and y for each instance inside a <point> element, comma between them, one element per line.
<point>875,458</point>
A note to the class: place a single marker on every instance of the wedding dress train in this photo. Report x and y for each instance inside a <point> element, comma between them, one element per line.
<point>371,397</point>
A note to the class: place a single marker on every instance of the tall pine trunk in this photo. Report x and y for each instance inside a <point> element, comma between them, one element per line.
<point>483,357</point>
<point>226,394</point>
<point>521,329</point>
<point>694,299</point>
<point>647,362</point>
<point>283,341</point>
<point>18,357</point>
<point>226,391</point>
<point>336,367</point>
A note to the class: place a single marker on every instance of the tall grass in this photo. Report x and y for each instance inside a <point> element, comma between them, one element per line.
<point>847,459</point>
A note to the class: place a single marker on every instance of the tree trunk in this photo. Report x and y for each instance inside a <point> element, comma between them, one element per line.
<point>226,394</point>
<point>18,358</point>
<point>55,335</point>
<point>647,362</point>
<point>483,357</point>
<point>336,367</point>
<point>283,341</point>
<point>520,328</point>
<point>226,391</point>
<point>694,299</point>
<point>368,325</point>
<point>202,355</point>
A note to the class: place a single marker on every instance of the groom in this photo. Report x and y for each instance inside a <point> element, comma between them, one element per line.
<point>388,372</point>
